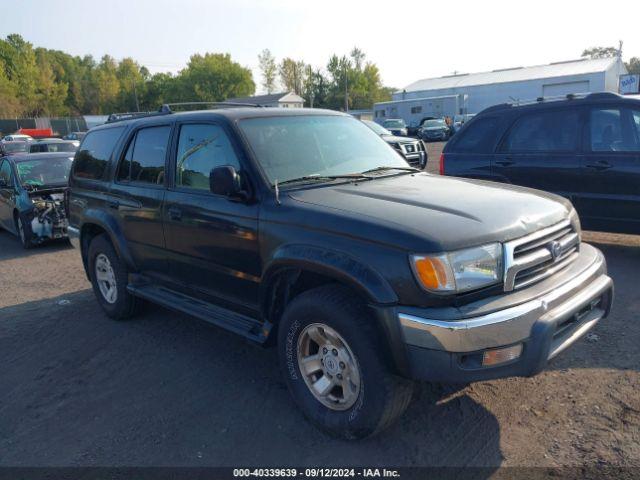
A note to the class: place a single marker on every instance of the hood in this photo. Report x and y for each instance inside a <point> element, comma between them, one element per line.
<point>396,139</point>
<point>428,213</point>
<point>433,129</point>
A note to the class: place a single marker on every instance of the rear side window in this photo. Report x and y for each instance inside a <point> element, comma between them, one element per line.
<point>555,131</point>
<point>93,157</point>
<point>478,137</point>
<point>144,160</point>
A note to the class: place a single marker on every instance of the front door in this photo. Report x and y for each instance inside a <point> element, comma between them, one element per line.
<point>137,195</point>
<point>7,196</point>
<point>611,170</point>
<point>212,241</point>
<point>541,150</point>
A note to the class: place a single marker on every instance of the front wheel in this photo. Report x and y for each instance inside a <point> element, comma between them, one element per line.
<point>334,362</point>
<point>24,232</point>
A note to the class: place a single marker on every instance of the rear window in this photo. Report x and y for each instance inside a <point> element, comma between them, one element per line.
<point>477,137</point>
<point>555,131</point>
<point>93,157</point>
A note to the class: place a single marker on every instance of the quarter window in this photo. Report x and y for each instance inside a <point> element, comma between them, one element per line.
<point>201,148</point>
<point>478,137</point>
<point>144,160</point>
<point>92,159</point>
<point>555,131</point>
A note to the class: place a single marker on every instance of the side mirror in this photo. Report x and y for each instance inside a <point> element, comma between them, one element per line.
<point>3,183</point>
<point>225,181</point>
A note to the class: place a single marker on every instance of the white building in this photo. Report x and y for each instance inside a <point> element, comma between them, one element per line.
<point>470,93</point>
<point>283,100</point>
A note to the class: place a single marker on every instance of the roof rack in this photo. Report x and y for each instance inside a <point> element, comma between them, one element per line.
<point>119,117</point>
<point>165,109</point>
<point>569,96</point>
<point>167,106</point>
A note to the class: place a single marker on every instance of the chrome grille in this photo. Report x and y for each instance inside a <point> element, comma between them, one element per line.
<point>538,255</point>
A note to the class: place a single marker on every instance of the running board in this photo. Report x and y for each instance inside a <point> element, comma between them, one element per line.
<point>235,322</point>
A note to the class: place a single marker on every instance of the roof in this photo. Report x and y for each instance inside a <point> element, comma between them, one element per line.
<point>24,157</point>
<point>517,74</point>
<point>231,113</point>
<point>271,98</point>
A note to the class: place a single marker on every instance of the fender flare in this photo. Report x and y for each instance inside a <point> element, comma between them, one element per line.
<point>113,230</point>
<point>339,265</point>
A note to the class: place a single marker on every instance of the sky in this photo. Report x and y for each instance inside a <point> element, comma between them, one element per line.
<point>408,40</point>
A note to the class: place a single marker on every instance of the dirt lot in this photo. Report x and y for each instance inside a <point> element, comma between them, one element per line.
<point>79,389</point>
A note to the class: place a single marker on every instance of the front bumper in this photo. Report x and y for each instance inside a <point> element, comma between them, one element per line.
<point>568,305</point>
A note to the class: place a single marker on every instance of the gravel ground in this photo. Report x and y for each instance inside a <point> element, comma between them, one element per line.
<point>78,389</point>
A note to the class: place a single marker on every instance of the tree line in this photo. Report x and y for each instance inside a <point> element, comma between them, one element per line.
<point>37,82</point>
<point>41,82</point>
<point>348,82</point>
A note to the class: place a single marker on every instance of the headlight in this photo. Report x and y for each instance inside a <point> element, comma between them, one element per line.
<point>459,271</point>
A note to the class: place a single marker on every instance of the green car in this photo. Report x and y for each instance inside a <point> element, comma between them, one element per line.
<point>32,188</point>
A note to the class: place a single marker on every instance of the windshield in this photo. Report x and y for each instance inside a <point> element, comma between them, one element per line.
<point>394,124</point>
<point>300,146</point>
<point>380,130</point>
<point>434,123</point>
<point>15,147</point>
<point>45,171</point>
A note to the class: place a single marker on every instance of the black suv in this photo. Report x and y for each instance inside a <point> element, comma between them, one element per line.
<point>586,149</point>
<point>302,229</point>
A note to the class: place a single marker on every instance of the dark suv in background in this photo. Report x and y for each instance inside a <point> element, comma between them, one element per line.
<point>302,229</point>
<point>586,149</point>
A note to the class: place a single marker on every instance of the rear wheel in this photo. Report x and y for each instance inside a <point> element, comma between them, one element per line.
<point>334,362</point>
<point>109,278</point>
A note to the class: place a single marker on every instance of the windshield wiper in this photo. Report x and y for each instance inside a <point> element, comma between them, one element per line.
<point>382,169</point>
<point>322,178</point>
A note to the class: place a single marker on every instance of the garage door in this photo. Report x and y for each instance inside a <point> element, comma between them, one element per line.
<point>558,89</point>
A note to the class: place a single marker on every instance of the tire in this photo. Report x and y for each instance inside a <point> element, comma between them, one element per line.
<point>118,303</point>
<point>23,229</point>
<point>381,397</point>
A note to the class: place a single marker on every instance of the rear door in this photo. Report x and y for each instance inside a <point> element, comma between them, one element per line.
<point>212,241</point>
<point>541,150</point>
<point>611,170</point>
<point>137,195</point>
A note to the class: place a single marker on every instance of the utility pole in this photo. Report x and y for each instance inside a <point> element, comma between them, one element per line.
<point>135,94</point>
<point>346,90</point>
<point>619,48</point>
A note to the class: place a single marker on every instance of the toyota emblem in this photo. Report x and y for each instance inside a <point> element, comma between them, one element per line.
<point>555,249</point>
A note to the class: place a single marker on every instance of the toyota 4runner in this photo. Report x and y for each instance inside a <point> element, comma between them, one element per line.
<point>304,230</point>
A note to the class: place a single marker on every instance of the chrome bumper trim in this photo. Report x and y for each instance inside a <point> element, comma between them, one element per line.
<point>74,236</point>
<point>514,324</point>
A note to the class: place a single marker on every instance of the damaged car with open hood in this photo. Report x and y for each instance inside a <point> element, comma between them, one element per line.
<point>32,192</point>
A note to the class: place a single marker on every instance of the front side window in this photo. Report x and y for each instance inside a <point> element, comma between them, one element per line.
<point>555,131</point>
<point>316,145</point>
<point>95,152</point>
<point>613,130</point>
<point>201,148</point>
<point>145,157</point>
<point>5,174</point>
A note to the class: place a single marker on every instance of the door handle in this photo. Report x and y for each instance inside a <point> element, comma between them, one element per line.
<point>114,204</point>
<point>175,213</point>
<point>599,165</point>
